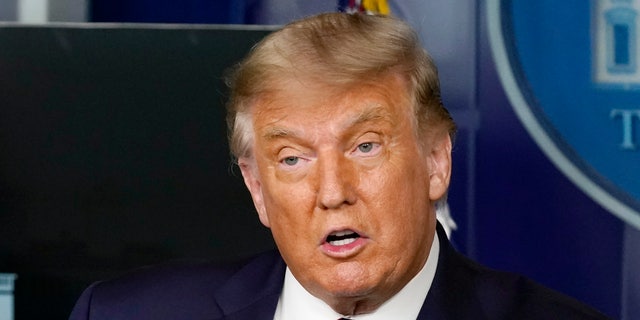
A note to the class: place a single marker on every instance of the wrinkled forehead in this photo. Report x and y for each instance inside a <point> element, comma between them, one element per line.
<point>299,87</point>
<point>314,102</point>
<point>306,84</point>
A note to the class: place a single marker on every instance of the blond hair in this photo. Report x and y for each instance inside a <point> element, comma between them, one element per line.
<point>340,50</point>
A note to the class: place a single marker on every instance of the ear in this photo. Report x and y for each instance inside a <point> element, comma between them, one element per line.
<point>439,167</point>
<point>251,178</point>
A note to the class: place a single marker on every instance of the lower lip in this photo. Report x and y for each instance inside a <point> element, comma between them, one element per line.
<point>344,250</point>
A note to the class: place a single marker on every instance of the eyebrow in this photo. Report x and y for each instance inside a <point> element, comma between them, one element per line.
<point>278,132</point>
<point>373,113</point>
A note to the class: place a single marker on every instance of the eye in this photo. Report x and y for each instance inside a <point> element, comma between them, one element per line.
<point>368,149</point>
<point>365,147</point>
<point>290,161</point>
<point>289,158</point>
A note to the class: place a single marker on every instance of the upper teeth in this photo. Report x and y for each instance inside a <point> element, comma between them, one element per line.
<point>342,242</point>
<point>340,238</point>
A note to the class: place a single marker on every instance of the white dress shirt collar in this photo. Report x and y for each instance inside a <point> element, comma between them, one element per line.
<point>296,303</point>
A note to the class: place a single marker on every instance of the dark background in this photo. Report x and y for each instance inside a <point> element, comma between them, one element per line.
<point>113,156</point>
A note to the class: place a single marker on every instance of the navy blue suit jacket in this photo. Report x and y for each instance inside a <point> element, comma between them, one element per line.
<point>461,289</point>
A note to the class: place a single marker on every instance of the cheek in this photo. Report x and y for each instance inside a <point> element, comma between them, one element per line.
<point>403,178</point>
<point>288,205</point>
<point>400,195</point>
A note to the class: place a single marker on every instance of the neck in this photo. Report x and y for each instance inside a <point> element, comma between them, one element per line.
<point>355,306</point>
<point>349,305</point>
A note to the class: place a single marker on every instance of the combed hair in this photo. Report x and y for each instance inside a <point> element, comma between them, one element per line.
<point>340,50</point>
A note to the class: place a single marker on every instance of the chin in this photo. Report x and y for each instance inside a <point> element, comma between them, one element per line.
<point>350,288</point>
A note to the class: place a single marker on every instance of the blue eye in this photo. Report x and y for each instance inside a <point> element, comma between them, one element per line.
<point>365,147</point>
<point>290,161</point>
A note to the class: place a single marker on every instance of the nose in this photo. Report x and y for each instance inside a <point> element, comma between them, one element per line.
<point>336,182</point>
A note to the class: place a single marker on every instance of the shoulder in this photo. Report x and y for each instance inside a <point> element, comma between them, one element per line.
<point>465,289</point>
<point>518,297</point>
<point>505,295</point>
<point>184,290</point>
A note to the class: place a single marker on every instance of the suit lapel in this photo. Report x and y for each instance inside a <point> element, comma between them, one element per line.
<point>253,292</point>
<point>451,295</point>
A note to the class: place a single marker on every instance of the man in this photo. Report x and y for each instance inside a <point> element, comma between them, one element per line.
<point>338,128</point>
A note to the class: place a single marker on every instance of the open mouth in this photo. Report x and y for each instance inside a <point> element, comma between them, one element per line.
<point>341,238</point>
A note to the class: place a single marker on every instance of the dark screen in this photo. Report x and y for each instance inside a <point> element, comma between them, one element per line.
<point>113,155</point>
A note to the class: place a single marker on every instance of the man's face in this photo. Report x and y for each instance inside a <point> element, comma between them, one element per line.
<point>346,187</point>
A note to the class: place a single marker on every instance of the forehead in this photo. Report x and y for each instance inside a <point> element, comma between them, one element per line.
<point>309,103</point>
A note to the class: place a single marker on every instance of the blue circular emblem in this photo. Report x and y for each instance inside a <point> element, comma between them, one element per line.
<point>571,71</point>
